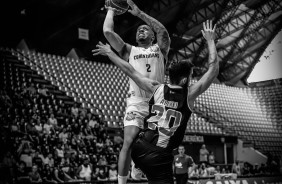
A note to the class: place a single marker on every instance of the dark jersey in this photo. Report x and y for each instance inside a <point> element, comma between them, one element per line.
<point>168,116</point>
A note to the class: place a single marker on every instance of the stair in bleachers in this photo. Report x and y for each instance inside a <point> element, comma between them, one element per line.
<point>20,67</point>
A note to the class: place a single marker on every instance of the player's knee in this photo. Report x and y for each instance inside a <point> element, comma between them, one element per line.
<point>127,142</point>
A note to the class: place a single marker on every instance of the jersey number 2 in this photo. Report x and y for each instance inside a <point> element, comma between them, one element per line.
<point>148,67</point>
<point>163,119</point>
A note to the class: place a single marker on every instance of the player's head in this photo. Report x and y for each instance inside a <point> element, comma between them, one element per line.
<point>145,35</point>
<point>181,150</point>
<point>180,72</point>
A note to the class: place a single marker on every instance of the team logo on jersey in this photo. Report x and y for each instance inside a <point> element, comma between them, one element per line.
<point>154,49</point>
<point>130,116</point>
<point>151,55</point>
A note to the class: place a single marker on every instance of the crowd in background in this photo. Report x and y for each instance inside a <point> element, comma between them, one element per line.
<point>45,140</point>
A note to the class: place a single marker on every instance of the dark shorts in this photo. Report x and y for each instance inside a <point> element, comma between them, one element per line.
<point>154,161</point>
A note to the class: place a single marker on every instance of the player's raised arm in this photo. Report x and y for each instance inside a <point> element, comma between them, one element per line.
<point>202,85</point>
<point>143,82</point>
<point>113,38</point>
<point>162,34</point>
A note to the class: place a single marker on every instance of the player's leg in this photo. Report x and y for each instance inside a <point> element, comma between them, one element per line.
<point>131,129</point>
<point>130,132</point>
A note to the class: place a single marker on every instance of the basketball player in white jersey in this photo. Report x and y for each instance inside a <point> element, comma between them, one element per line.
<point>148,59</point>
<point>170,107</point>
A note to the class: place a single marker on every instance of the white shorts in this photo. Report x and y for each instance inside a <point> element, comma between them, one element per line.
<point>137,109</point>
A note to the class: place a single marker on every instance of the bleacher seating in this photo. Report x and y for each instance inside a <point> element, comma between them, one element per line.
<point>254,114</point>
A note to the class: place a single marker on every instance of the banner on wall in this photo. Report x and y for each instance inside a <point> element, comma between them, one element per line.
<point>261,180</point>
<point>193,138</point>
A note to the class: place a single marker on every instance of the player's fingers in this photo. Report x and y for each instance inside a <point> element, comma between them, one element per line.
<point>130,11</point>
<point>95,50</point>
<point>214,27</point>
<point>130,3</point>
<point>204,26</point>
<point>203,33</point>
<point>211,24</point>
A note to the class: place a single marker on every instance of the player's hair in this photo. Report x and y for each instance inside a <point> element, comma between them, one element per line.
<point>181,145</point>
<point>178,70</point>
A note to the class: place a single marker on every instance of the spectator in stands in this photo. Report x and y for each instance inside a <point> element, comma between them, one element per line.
<point>181,163</point>
<point>262,169</point>
<point>217,169</point>
<point>193,171</point>
<point>21,173</point>
<point>113,172</point>
<point>39,127</point>
<point>211,158</point>
<point>204,154</point>
<point>63,136</point>
<point>84,171</point>
<point>49,160</point>
<point>48,128</point>
<point>102,175</point>
<point>95,174</point>
<point>9,163</point>
<point>203,172</point>
<point>26,158</point>
<point>75,128</point>
<point>48,174</point>
<point>255,170</point>
<point>87,131</point>
<point>31,89</point>
<point>246,169</point>
<point>74,110</point>
<point>53,121</point>
<point>34,175</point>
<point>61,176</point>
<point>37,160</point>
<point>93,121</point>
<point>59,153</point>
<point>236,168</point>
<point>102,161</point>
<point>42,90</point>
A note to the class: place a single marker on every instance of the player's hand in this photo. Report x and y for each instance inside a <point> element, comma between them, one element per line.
<point>102,49</point>
<point>209,30</point>
<point>109,8</point>
<point>134,9</point>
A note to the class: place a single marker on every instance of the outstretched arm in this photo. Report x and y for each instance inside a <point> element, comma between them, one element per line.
<point>203,84</point>
<point>162,34</point>
<point>143,82</point>
<point>113,38</point>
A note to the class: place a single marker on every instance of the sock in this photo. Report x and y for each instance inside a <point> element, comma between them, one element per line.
<point>122,179</point>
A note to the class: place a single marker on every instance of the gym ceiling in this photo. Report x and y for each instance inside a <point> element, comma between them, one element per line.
<point>244,29</point>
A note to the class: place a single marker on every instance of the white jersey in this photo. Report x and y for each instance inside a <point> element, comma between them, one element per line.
<point>150,63</point>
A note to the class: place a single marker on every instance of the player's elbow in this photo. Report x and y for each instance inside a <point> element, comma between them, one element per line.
<point>108,32</point>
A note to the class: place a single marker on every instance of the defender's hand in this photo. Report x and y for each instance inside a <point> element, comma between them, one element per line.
<point>102,49</point>
<point>209,31</point>
<point>134,9</point>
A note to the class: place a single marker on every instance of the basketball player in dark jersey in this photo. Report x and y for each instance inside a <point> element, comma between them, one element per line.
<point>170,108</point>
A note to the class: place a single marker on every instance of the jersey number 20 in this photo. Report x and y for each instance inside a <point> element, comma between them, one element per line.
<point>163,119</point>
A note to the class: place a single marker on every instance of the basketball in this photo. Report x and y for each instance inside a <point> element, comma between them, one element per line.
<point>120,5</point>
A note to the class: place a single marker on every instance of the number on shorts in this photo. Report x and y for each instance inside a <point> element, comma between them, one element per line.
<point>168,121</point>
